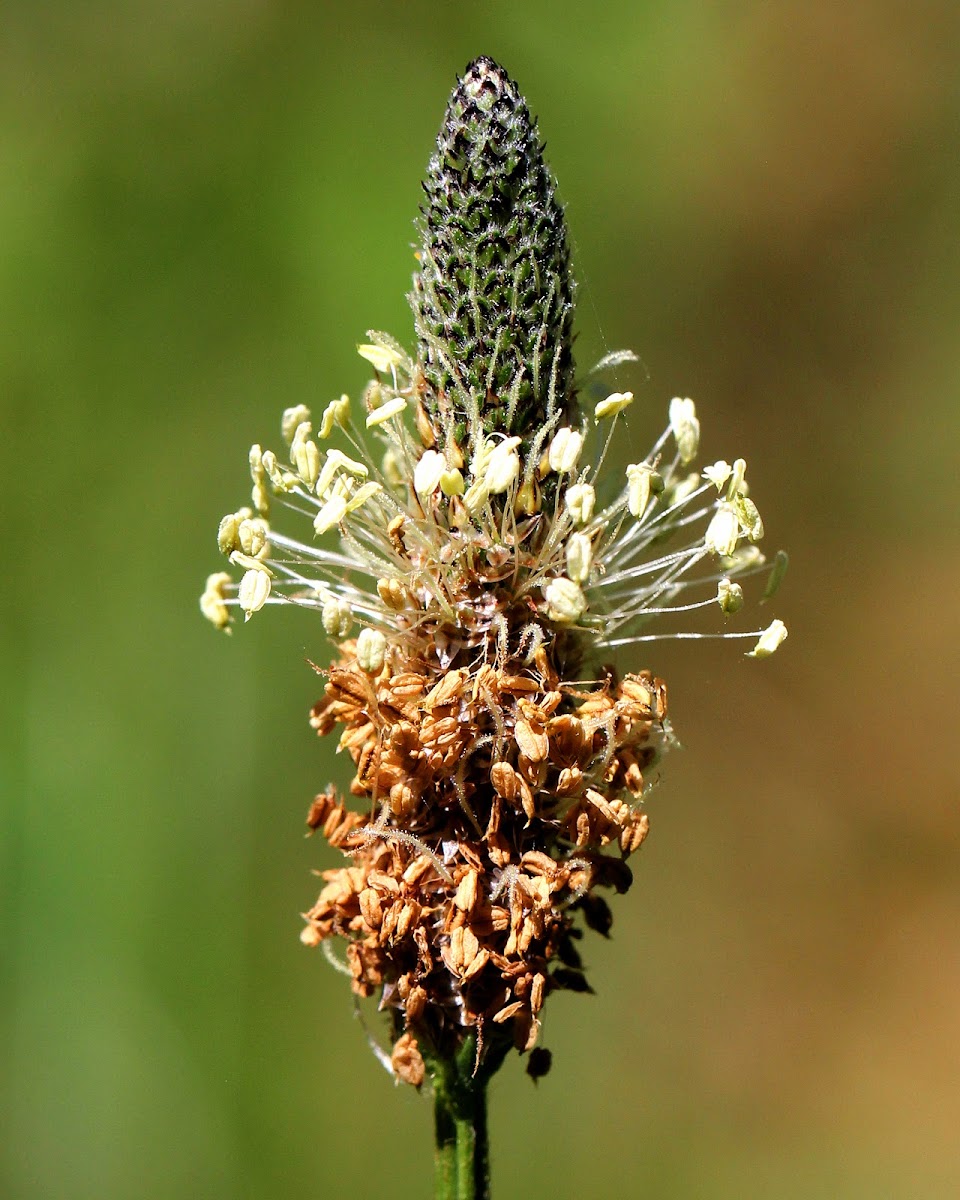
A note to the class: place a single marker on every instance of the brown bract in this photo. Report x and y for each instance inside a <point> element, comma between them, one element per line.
<point>494,794</point>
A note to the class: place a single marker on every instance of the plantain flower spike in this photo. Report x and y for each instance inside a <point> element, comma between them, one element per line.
<point>479,567</point>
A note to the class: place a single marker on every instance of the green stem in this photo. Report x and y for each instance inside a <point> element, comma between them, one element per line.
<point>445,1147</point>
<point>462,1153</point>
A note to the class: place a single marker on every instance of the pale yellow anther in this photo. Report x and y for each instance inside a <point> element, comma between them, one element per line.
<point>729,596</point>
<point>749,518</point>
<point>428,472</point>
<point>642,480</point>
<point>393,469</point>
<point>362,495</point>
<point>615,403</point>
<point>680,491</point>
<point>777,572</point>
<point>579,557</point>
<point>723,531</point>
<point>212,603</point>
<point>332,513</point>
<point>337,617</point>
<point>228,534</point>
<point>260,494</point>
<point>564,452</point>
<point>381,358</point>
<point>302,432</point>
<point>392,408</point>
<point>738,479</point>
<point>772,637</point>
<point>337,412</point>
<point>292,418</point>
<point>305,456</point>
<point>336,462</point>
<point>451,483</point>
<point>281,479</point>
<point>249,563</point>
<point>371,650</point>
<point>566,602</point>
<point>528,498</point>
<point>685,428</point>
<point>745,558</point>
<point>345,463</point>
<point>253,592</point>
<point>256,463</point>
<point>503,466</point>
<point>476,496</point>
<point>252,536</point>
<point>717,473</point>
<point>580,499</point>
<point>392,593</point>
<point>481,456</point>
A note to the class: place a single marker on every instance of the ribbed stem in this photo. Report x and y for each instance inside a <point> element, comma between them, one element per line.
<point>445,1164</point>
<point>462,1151</point>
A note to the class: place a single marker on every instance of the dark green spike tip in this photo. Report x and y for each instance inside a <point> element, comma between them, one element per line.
<point>493,296</point>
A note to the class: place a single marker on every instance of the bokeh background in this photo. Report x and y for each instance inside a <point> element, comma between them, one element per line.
<point>203,206</point>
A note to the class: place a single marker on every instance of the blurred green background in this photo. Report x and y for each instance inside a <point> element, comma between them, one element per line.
<point>203,206</point>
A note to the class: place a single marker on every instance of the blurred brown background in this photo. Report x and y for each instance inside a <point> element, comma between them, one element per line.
<point>202,208</point>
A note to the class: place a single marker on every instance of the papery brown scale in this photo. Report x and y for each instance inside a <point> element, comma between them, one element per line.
<point>407,1061</point>
<point>409,917</point>
<point>391,920</point>
<point>569,782</point>
<point>446,691</point>
<point>371,908</point>
<point>468,892</point>
<point>531,741</point>
<point>634,834</point>
<point>476,965</point>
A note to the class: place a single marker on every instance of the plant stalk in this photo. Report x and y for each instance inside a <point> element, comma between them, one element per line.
<point>462,1152</point>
